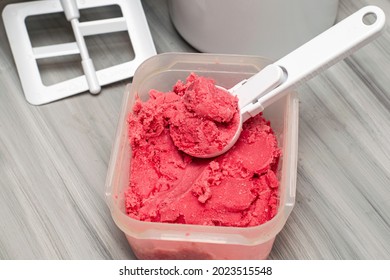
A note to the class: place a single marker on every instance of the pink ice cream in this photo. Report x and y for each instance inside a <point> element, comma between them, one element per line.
<point>238,188</point>
<point>206,118</point>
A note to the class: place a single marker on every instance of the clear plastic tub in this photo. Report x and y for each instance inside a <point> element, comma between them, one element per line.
<point>150,240</point>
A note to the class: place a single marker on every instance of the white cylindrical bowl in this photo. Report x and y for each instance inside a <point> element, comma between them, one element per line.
<point>270,28</point>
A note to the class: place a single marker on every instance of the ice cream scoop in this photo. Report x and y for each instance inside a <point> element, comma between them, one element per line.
<point>300,65</point>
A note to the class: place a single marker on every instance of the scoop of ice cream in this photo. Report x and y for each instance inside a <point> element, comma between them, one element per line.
<point>203,98</point>
<point>238,188</point>
<point>206,119</point>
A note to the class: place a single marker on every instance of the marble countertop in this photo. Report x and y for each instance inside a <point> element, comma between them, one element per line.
<point>54,157</point>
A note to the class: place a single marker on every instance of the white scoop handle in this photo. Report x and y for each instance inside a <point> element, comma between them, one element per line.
<point>320,53</point>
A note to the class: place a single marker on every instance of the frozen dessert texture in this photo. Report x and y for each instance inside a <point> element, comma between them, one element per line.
<point>206,118</point>
<point>239,188</point>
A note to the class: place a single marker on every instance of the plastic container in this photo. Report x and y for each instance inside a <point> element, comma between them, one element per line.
<point>150,240</point>
<point>262,27</point>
